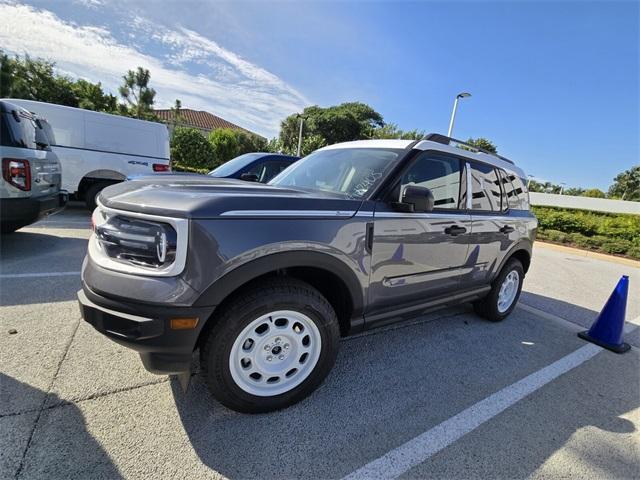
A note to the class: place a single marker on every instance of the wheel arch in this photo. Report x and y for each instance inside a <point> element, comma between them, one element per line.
<point>520,251</point>
<point>101,175</point>
<point>328,274</point>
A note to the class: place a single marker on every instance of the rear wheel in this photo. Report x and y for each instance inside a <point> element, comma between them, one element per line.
<point>91,195</point>
<point>504,294</point>
<point>10,227</point>
<point>271,346</point>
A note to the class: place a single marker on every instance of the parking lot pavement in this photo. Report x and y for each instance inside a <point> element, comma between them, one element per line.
<point>76,405</point>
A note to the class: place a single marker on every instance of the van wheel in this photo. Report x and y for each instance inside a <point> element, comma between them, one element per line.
<point>91,195</point>
<point>270,347</point>
<point>504,294</point>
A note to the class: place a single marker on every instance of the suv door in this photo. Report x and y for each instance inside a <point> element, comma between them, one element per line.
<point>419,256</point>
<point>493,230</point>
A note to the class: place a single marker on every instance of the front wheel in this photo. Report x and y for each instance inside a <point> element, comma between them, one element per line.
<point>504,293</point>
<point>270,347</point>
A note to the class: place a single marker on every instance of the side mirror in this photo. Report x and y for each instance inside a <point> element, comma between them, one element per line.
<point>415,199</point>
<point>249,177</point>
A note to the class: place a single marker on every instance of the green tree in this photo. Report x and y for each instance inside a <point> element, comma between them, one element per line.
<point>574,191</point>
<point>224,142</point>
<point>191,151</point>
<point>274,146</point>
<point>91,97</point>
<point>391,130</point>
<point>248,142</point>
<point>339,123</point>
<point>36,79</point>
<point>626,185</point>
<point>594,193</point>
<point>176,111</point>
<point>484,144</point>
<point>137,94</point>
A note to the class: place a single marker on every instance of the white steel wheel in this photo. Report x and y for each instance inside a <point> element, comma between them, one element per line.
<point>275,353</point>
<point>508,291</point>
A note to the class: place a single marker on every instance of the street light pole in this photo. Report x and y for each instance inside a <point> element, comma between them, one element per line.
<point>453,113</point>
<point>301,117</point>
<point>530,177</point>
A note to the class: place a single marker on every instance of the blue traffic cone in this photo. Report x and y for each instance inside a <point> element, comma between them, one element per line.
<point>606,331</point>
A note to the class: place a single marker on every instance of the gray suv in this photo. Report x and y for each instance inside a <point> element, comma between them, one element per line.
<point>31,172</point>
<point>265,279</point>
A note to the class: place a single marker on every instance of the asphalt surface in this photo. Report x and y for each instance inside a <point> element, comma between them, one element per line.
<point>412,398</point>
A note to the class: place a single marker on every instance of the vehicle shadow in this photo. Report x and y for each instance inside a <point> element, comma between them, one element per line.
<point>28,252</point>
<point>391,386</point>
<point>59,446</point>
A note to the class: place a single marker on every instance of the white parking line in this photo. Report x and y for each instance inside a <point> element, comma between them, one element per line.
<point>36,275</point>
<point>419,449</point>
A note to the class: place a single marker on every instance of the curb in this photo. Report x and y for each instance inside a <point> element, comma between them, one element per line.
<point>588,253</point>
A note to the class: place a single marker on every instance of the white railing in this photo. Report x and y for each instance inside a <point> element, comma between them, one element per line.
<point>584,203</point>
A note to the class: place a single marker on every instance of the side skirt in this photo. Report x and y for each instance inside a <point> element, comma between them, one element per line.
<point>409,311</point>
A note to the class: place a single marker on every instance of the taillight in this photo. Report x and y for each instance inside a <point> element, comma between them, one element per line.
<point>17,172</point>
<point>160,167</point>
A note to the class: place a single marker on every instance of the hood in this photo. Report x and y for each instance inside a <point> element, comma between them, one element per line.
<point>201,196</point>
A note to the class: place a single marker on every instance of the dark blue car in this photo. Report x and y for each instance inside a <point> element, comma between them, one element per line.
<point>254,167</point>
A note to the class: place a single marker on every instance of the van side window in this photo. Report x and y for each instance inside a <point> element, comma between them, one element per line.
<point>440,174</point>
<point>485,187</point>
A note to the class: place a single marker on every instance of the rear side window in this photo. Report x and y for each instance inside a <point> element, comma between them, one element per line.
<point>518,196</point>
<point>440,174</point>
<point>18,131</point>
<point>485,186</point>
<point>509,196</point>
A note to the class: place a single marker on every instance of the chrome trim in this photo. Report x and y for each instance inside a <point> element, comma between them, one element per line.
<point>289,213</point>
<point>181,226</point>
<point>367,214</point>
<point>454,215</point>
<point>469,186</point>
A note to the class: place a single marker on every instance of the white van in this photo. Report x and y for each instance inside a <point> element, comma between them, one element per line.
<point>98,149</point>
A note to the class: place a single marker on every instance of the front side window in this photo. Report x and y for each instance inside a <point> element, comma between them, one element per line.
<point>265,171</point>
<point>349,172</point>
<point>440,174</point>
<point>234,165</point>
<point>485,187</point>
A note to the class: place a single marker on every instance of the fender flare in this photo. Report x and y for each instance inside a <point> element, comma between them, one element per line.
<point>221,288</point>
<point>523,244</point>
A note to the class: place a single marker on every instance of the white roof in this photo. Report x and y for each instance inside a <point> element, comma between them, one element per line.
<point>430,145</point>
<point>391,143</point>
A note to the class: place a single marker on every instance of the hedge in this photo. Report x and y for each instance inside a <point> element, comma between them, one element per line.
<point>617,234</point>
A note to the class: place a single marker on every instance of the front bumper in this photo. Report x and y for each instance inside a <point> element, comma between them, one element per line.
<point>28,210</point>
<point>146,329</point>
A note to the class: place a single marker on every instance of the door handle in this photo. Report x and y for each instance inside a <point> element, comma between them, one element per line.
<point>454,230</point>
<point>506,229</point>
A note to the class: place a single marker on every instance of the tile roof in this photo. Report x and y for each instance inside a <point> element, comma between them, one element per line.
<point>198,119</point>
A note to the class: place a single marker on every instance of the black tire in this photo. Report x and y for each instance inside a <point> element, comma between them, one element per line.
<point>91,195</point>
<point>238,313</point>
<point>488,306</point>
<point>10,227</point>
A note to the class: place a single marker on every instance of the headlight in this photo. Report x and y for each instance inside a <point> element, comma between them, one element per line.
<point>137,241</point>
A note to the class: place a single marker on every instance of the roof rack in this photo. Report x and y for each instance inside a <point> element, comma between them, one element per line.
<point>443,139</point>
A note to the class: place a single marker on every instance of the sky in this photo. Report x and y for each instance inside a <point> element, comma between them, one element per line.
<point>555,85</point>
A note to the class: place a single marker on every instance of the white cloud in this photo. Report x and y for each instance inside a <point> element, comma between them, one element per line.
<point>232,87</point>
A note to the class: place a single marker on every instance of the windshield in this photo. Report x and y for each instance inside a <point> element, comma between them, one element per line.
<point>235,164</point>
<point>352,172</point>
